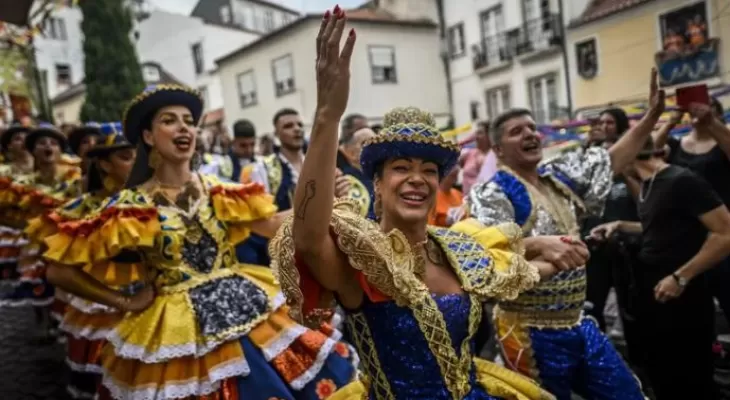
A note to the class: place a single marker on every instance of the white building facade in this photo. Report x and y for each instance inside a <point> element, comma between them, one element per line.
<point>59,50</point>
<point>505,54</point>
<point>395,63</point>
<point>187,47</point>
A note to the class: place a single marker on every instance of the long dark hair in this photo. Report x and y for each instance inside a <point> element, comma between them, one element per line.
<point>141,171</point>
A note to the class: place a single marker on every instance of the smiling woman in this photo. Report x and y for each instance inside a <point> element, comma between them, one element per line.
<point>412,294</point>
<point>204,326</point>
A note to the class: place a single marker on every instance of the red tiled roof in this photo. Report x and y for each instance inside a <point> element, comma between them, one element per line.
<point>598,9</point>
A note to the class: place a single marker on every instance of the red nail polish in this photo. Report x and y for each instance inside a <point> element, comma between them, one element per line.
<point>327,14</point>
<point>352,32</point>
<point>341,14</point>
<point>337,10</point>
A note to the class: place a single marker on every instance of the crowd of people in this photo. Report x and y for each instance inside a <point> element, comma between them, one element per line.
<point>365,261</point>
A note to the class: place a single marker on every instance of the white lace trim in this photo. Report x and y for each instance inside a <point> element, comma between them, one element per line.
<point>56,316</point>
<point>89,307</point>
<point>169,352</point>
<point>84,332</point>
<point>299,382</point>
<point>7,229</point>
<point>282,342</point>
<point>26,302</point>
<point>85,368</point>
<point>32,281</point>
<point>180,390</point>
<point>78,394</point>
<point>36,265</point>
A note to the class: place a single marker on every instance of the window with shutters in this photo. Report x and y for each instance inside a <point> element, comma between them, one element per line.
<point>498,101</point>
<point>544,97</point>
<point>246,89</point>
<point>382,64</point>
<point>268,20</point>
<point>283,72</point>
<point>457,46</point>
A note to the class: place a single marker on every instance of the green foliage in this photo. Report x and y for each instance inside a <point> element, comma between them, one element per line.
<point>113,75</point>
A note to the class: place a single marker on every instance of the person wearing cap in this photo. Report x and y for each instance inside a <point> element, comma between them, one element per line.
<point>37,193</point>
<point>411,294</point>
<point>203,325</point>
<point>80,140</point>
<point>84,322</point>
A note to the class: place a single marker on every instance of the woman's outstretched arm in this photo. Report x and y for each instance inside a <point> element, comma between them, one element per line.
<point>314,196</point>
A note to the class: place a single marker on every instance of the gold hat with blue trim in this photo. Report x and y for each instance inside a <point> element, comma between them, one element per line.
<point>111,138</point>
<point>141,109</point>
<point>408,133</point>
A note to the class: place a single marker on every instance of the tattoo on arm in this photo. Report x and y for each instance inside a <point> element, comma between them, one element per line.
<point>309,192</point>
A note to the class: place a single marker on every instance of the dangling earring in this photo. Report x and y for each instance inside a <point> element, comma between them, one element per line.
<point>377,207</point>
<point>153,160</point>
<point>110,184</point>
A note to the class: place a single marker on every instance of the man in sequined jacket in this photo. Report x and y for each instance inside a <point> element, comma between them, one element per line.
<point>543,332</point>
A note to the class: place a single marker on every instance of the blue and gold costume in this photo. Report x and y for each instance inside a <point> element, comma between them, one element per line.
<point>543,332</point>
<point>32,197</point>
<point>414,344</point>
<point>217,329</point>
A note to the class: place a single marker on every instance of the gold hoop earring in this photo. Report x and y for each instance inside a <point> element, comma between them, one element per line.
<point>110,184</point>
<point>153,160</point>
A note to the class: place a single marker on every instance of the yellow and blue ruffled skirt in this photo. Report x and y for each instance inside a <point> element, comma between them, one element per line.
<point>161,353</point>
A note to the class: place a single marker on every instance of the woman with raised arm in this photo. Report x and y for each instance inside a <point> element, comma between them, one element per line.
<point>412,294</point>
<point>204,327</point>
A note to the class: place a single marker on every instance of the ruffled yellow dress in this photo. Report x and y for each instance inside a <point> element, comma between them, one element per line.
<point>31,198</point>
<point>415,344</point>
<point>216,329</point>
<point>86,323</point>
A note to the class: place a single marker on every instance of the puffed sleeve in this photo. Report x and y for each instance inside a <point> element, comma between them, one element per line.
<point>587,172</point>
<point>125,221</point>
<point>237,205</point>
<point>509,273</point>
<point>490,205</point>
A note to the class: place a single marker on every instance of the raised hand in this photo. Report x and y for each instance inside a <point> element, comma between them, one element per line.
<point>333,65</point>
<point>656,95</point>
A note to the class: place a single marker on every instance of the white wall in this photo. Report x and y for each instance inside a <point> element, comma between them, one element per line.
<point>419,70</point>
<point>168,38</point>
<point>50,52</point>
<point>251,15</point>
<point>468,87</point>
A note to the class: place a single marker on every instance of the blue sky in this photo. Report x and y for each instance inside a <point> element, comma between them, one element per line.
<point>185,6</point>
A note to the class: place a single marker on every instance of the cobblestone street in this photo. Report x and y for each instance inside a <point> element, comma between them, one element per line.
<point>29,369</point>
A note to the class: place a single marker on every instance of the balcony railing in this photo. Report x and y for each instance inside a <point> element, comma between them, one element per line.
<point>534,35</point>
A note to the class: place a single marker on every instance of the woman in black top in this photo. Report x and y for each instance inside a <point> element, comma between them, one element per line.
<point>620,205</point>
<point>685,231</point>
<point>706,151</point>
